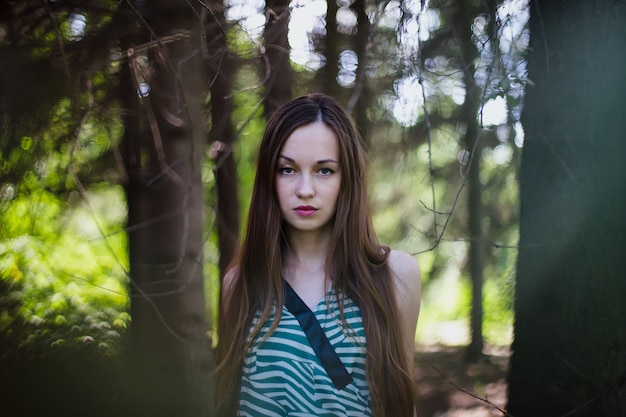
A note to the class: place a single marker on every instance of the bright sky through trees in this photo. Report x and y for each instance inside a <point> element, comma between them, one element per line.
<point>309,16</point>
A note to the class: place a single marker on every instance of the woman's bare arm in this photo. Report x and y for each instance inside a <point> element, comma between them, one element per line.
<point>408,296</point>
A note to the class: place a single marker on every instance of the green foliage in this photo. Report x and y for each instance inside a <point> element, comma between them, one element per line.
<point>403,190</point>
<point>241,43</point>
<point>249,123</point>
<point>498,306</point>
<point>446,299</point>
<point>403,203</point>
<point>63,277</point>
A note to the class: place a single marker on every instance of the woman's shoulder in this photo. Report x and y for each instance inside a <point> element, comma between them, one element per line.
<point>405,267</point>
<point>408,292</point>
<point>407,279</point>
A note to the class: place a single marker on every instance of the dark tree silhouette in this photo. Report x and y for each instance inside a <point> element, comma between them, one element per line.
<point>164,133</point>
<point>328,44</point>
<point>276,62</point>
<point>221,67</point>
<point>360,95</point>
<point>569,352</point>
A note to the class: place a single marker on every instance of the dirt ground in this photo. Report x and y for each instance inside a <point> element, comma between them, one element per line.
<point>448,386</point>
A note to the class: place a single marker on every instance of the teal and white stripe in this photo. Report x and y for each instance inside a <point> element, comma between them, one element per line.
<point>283,377</point>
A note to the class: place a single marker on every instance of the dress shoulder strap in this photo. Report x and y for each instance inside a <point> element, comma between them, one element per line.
<point>317,338</point>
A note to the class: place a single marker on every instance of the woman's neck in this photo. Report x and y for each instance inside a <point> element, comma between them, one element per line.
<point>306,248</point>
<point>304,266</point>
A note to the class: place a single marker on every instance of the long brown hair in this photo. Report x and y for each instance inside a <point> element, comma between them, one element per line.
<point>356,264</point>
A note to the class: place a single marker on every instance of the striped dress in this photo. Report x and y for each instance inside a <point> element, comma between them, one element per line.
<point>282,376</point>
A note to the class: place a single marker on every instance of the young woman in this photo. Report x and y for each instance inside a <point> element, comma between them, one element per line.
<point>316,317</point>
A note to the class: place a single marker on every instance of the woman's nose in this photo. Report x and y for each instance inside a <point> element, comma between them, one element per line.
<point>305,187</point>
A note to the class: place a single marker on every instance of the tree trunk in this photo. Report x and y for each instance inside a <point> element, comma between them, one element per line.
<point>475,213</point>
<point>463,17</point>
<point>357,104</point>
<point>221,66</point>
<point>276,65</point>
<point>170,356</point>
<point>569,351</point>
<point>326,77</point>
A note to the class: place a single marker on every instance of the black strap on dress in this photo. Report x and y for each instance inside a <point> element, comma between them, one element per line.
<point>317,338</point>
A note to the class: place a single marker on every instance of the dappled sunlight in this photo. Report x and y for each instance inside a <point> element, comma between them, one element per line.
<point>442,333</point>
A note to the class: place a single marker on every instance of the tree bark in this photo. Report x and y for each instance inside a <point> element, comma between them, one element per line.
<point>221,68</point>
<point>357,104</point>
<point>276,63</point>
<point>569,351</point>
<point>326,77</point>
<point>170,357</point>
<point>463,16</point>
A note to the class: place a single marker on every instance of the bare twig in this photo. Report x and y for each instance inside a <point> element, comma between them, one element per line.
<point>471,394</point>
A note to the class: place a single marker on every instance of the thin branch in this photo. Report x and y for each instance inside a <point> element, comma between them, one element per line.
<point>142,294</point>
<point>471,394</point>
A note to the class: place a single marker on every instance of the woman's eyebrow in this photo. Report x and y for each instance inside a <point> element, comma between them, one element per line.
<point>320,162</point>
<point>287,158</point>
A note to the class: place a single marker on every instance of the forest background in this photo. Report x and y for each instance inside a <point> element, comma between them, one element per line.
<point>129,133</point>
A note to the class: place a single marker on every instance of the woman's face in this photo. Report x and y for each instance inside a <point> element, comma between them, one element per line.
<point>308,178</point>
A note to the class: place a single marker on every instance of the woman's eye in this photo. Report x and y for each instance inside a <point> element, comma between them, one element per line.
<point>326,171</point>
<point>285,170</point>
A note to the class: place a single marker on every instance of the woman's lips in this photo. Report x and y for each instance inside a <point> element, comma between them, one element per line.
<point>305,211</point>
